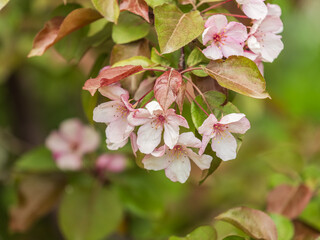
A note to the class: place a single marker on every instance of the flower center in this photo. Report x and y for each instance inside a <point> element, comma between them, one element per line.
<point>179,150</point>
<point>123,111</point>
<point>219,128</point>
<point>219,37</point>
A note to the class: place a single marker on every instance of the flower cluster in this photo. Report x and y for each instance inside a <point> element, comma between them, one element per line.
<point>261,44</point>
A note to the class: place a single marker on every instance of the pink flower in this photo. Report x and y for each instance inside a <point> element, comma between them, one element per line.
<point>226,38</point>
<point>154,121</point>
<point>111,162</point>
<point>114,114</point>
<point>223,143</point>
<point>256,58</point>
<point>263,39</point>
<point>255,9</point>
<point>71,142</point>
<point>176,161</point>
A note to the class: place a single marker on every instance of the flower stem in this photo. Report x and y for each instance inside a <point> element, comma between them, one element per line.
<point>153,69</point>
<point>145,95</point>
<point>190,69</point>
<point>193,99</point>
<point>232,15</point>
<point>213,6</point>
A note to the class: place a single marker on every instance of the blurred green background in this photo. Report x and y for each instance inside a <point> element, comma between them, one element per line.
<point>282,146</point>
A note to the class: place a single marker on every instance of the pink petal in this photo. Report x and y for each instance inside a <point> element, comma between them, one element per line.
<point>125,100</point>
<point>119,130</point>
<point>149,137</point>
<point>176,119</point>
<point>179,169</point>
<point>207,126</point>
<point>155,163</point>
<point>90,140</point>
<point>225,146</point>
<point>240,126</point>
<point>274,10</point>
<point>231,118</point>
<point>204,143</point>
<point>69,162</point>
<point>203,161</point>
<point>113,91</point>
<point>237,31</point>
<point>111,162</point>
<point>107,112</point>
<point>56,143</point>
<point>255,9</point>
<point>219,21</point>
<point>231,48</point>
<point>171,134</point>
<point>144,87</point>
<point>208,34</point>
<point>189,140</point>
<point>71,130</point>
<point>159,152</point>
<point>115,145</point>
<point>153,106</point>
<point>271,47</point>
<point>212,52</point>
<point>134,145</point>
<point>139,117</point>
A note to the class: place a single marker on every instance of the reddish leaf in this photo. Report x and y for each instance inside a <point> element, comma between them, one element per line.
<point>180,96</point>
<point>58,27</point>
<point>139,7</point>
<point>304,232</point>
<point>167,87</point>
<point>288,200</point>
<point>255,223</point>
<point>108,76</point>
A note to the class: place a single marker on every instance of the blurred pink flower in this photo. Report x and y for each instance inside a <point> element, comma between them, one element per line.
<point>255,9</point>
<point>223,143</point>
<point>225,38</point>
<point>154,121</point>
<point>263,39</point>
<point>176,161</point>
<point>71,142</point>
<point>111,162</point>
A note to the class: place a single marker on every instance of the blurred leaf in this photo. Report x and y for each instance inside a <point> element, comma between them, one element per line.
<point>138,7</point>
<point>129,28</point>
<point>154,3</point>
<point>137,60</point>
<point>255,223</point>
<point>305,232</point>
<point>201,233</point>
<point>234,238</point>
<point>89,213</point>
<point>58,27</point>
<point>284,227</point>
<point>37,160</point>
<point>311,176</point>
<point>108,8</point>
<point>289,200</point>
<point>311,215</point>
<point>3,3</point>
<point>238,74</point>
<point>38,194</point>
<point>167,87</point>
<point>176,29</point>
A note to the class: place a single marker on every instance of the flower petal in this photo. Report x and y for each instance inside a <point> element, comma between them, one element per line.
<point>232,117</point>
<point>240,126</point>
<point>208,34</point>
<point>225,146</point>
<point>139,117</point>
<point>111,162</point>
<point>57,144</point>
<point>118,131</point>
<point>213,52</point>
<point>255,9</point>
<point>203,161</point>
<point>149,137</point>
<point>207,126</point>
<point>153,106</point>
<point>176,119</point>
<point>237,31</point>
<point>69,162</point>
<point>219,21</point>
<point>189,140</point>
<point>113,91</point>
<point>134,145</point>
<point>159,152</point>
<point>231,48</point>
<point>107,112</point>
<point>71,130</point>
<point>179,169</point>
<point>271,47</point>
<point>204,143</point>
<point>90,140</point>
<point>116,145</point>
<point>155,163</point>
<point>171,134</point>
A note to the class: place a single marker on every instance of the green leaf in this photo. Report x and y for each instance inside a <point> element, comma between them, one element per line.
<point>37,160</point>
<point>234,238</point>
<point>176,29</point>
<point>156,57</point>
<point>213,166</point>
<point>129,28</point>
<point>196,57</point>
<point>137,60</point>
<point>154,3</point>
<point>239,74</point>
<point>201,233</point>
<point>255,223</point>
<point>108,8</point>
<point>311,215</point>
<point>89,213</point>
<point>284,227</point>
<point>3,3</point>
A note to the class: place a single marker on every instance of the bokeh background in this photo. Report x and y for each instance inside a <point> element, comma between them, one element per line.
<point>282,146</point>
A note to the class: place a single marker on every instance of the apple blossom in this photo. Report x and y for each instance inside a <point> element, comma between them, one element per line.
<point>225,38</point>
<point>263,39</point>
<point>114,114</point>
<point>111,163</point>
<point>154,121</point>
<point>176,161</point>
<point>71,142</point>
<point>223,142</point>
<point>255,9</point>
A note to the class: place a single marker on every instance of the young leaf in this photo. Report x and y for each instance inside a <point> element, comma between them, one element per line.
<point>108,8</point>
<point>136,60</point>
<point>154,3</point>
<point>58,27</point>
<point>238,74</point>
<point>180,96</point>
<point>139,7</point>
<point>201,233</point>
<point>167,87</point>
<point>129,28</point>
<point>176,29</point>
<point>108,76</point>
<point>288,200</point>
<point>255,223</point>
<point>89,213</point>
<point>196,57</point>
<point>284,227</point>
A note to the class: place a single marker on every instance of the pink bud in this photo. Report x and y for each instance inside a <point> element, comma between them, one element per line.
<point>111,162</point>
